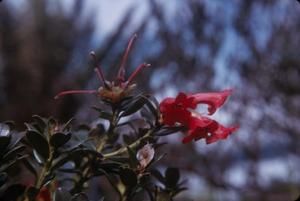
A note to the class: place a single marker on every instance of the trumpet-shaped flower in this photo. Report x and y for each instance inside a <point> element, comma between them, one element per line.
<point>180,110</point>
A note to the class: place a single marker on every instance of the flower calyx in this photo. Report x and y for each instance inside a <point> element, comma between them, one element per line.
<point>112,91</point>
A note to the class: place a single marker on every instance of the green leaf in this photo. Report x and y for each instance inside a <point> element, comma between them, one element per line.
<point>136,105</point>
<point>4,142</point>
<point>62,195</point>
<point>169,130</point>
<point>80,197</point>
<point>3,178</point>
<point>132,158</point>
<point>13,152</point>
<point>153,107</point>
<point>59,139</point>
<point>156,159</point>
<point>38,157</point>
<point>128,177</point>
<point>158,176</point>
<point>103,114</point>
<point>172,176</point>
<point>39,143</point>
<point>67,124</point>
<point>52,122</point>
<point>40,122</point>
<point>108,168</point>
<point>8,164</point>
<point>32,128</point>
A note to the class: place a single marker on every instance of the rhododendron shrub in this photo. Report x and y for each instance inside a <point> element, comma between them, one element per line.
<point>62,158</point>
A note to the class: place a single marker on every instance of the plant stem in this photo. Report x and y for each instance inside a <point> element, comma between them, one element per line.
<point>132,146</point>
<point>45,171</point>
<point>99,147</point>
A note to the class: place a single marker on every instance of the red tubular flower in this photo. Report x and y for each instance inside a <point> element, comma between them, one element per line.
<point>179,110</point>
<point>119,88</point>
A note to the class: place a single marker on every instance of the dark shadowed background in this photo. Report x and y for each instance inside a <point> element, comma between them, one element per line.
<point>193,46</point>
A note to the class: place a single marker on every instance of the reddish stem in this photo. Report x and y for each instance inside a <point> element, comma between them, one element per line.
<point>137,71</point>
<point>75,92</point>
<point>121,73</point>
<point>100,74</point>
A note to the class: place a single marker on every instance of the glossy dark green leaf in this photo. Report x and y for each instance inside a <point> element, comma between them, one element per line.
<point>62,195</point>
<point>152,105</point>
<point>105,115</point>
<point>49,178</point>
<point>172,176</point>
<point>39,143</point>
<point>158,176</point>
<point>132,158</point>
<point>169,130</point>
<point>38,157</point>
<point>33,128</point>
<point>3,178</point>
<point>67,124</point>
<point>13,152</point>
<point>97,109</point>
<point>119,159</point>
<point>59,139</point>
<point>41,122</point>
<point>52,122</point>
<point>70,171</point>
<point>156,159</point>
<point>4,142</point>
<point>135,106</point>
<point>108,168</point>
<point>8,164</point>
<point>80,197</point>
<point>128,177</point>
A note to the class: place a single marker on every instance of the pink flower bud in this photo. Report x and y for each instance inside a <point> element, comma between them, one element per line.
<point>145,155</point>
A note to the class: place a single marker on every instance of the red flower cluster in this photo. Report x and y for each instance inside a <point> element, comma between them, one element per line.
<point>180,110</point>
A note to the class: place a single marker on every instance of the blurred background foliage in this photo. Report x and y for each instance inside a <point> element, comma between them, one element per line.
<point>196,45</point>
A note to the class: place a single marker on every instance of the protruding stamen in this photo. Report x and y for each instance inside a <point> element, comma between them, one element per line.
<point>97,68</point>
<point>99,74</point>
<point>137,70</point>
<point>75,92</point>
<point>121,73</point>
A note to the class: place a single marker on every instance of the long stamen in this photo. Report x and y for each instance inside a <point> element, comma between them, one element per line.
<point>99,74</point>
<point>97,68</point>
<point>75,92</point>
<point>121,73</point>
<point>137,71</point>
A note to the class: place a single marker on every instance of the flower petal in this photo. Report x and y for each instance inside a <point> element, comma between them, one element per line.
<point>220,134</point>
<point>208,129</point>
<point>214,100</point>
